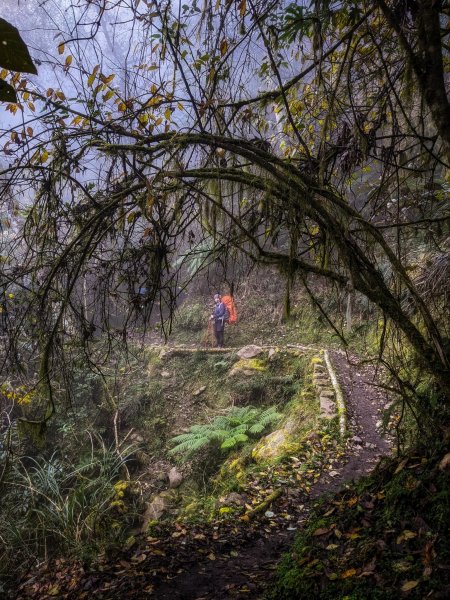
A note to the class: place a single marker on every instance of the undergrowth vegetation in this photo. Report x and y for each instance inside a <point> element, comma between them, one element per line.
<point>77,505</point>
<point>225,431</point>
<point>385,537</point>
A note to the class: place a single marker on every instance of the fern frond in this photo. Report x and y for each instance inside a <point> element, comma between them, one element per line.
<point>225,431</point>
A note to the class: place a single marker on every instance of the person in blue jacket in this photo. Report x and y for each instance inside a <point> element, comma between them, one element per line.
<point>219,316</point>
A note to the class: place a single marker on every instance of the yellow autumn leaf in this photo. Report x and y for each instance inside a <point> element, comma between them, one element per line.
<point>401,466</point>
<point>348,573</point>
<point>406,535</point>
<point>108,79</point>
<point>109,94</point>
<point>168,113</point>
<point>53,591</point>
<point>321,531</point>
<point>44,156</point>
<point>69,60</point>
<point>61,48</point>
<point>223,47</point>
<point>409,585</point>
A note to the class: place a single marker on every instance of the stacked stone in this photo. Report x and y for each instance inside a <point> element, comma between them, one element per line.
<point>324,388</point>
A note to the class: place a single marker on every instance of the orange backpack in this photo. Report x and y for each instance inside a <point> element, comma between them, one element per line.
<point>231,308</point>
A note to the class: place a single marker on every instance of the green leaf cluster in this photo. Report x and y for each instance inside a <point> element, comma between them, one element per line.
<point>226,431</point>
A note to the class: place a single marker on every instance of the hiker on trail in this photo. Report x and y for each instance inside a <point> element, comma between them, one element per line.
<point>219,316</point>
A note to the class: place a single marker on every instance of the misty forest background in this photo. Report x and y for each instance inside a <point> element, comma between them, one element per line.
<point>293,155</point>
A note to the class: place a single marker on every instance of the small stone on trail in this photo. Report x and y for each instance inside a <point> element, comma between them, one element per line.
<point>445,462</point>
<point>175,478</point>
<point>232,498</point>
<point>356,439</point>
<point>272,352</point>
<point>249,351</point>
<point>165,374</point>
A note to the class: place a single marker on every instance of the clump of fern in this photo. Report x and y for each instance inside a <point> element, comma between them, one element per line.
<point>225,431</point>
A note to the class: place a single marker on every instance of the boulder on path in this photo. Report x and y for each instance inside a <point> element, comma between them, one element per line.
<point>175,478</point>
<point>250,351</point>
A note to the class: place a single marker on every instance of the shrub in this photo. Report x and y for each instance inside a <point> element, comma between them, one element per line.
<point>191,317</point>
<point>226,431</point>
<point>55,503</point>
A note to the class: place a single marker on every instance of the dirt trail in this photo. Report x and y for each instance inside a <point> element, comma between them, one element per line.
<point>211,563</point>
<point>248,574</point>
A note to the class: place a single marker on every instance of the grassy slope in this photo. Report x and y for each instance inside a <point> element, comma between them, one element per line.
<point>386,537</point>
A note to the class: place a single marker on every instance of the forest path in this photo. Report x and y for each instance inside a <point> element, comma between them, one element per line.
<point>235,559</point>
<point>246,572</point>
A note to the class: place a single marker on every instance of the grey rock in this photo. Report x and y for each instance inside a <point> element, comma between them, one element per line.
<point>155,509</point>
<point>250,351</point>
<point>327,408</point>
<point>175,478</point>
<point>232,499</point>
<point>165,374</point>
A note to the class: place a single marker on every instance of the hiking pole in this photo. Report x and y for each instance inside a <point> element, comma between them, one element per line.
<point>207,341</point>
